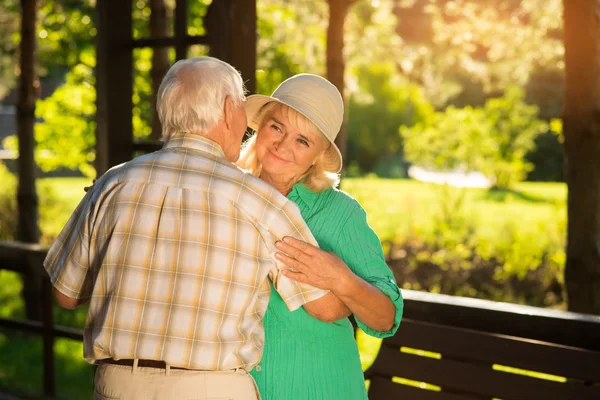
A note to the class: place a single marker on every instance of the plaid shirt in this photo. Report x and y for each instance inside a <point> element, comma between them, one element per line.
<point>175,249</point>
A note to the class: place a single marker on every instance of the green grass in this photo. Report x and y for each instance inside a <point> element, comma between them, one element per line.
<point>397,210</point>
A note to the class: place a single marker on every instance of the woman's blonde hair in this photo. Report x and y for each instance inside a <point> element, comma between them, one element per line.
<point>321,176</point>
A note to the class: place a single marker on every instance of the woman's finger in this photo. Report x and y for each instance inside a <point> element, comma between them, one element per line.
<point>301,245</point>
<point>293,252</point>
<point>290,261</point>
<point>297,276</point>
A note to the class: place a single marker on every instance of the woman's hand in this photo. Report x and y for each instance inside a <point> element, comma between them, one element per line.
<point>327,271</point>
<point>311,265</point>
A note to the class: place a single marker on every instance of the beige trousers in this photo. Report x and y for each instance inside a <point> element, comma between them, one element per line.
<point>121,382</point>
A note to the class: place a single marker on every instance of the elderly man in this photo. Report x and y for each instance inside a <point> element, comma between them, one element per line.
<point>174,252</point>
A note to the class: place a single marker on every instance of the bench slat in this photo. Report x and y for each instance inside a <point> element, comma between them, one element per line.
<point>381,388</point>
<point>506,350</point>
<point>476,379</point>
<point>552,326</point>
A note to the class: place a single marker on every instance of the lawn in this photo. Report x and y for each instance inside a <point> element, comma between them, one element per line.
<point>398,210</point>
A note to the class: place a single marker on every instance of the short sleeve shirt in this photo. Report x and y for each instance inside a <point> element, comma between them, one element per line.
<point>175,251</point>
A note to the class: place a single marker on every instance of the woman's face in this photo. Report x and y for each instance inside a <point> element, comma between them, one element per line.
<point>285,151</point>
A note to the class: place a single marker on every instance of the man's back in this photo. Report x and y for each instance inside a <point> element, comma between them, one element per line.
<point>175,247</point>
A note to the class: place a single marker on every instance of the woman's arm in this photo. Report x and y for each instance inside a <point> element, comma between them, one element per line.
<point>327,271</point>
<point>328,308</point>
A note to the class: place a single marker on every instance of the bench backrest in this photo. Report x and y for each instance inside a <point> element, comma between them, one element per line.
<point>466,348</point>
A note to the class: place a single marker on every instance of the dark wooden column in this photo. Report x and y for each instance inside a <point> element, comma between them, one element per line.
<point>160,58</point>
<point>114,83</point>
<point>582,146</point>
<point>27,199</point>
<point>181,31</point>
<point>336,65</point>
<point>231,27</point>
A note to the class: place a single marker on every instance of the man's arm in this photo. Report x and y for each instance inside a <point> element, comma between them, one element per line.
<point>67,261</point>
<point>68,302</point>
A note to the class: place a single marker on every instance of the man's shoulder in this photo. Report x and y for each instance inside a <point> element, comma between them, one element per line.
<point>249,187</point>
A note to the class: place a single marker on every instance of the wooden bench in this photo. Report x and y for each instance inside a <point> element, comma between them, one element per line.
<point>473,342</point>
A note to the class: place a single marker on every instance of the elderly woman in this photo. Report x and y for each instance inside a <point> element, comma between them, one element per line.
<point>293,150</point>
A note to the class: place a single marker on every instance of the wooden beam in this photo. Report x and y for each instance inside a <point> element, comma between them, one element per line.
<point>114,83</point>
<point>48,339</point>
<point>181,23</point>
<point>242,40</point>
<point>581,117</point>
<point>231,26</point>
<point>27,199</point>
<point>160,59</point>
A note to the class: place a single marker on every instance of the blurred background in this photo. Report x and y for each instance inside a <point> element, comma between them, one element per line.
<point>453,137</point>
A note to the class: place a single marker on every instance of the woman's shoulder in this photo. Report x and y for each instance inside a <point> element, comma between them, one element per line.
<point>338,198</point>
<point>334,204</point>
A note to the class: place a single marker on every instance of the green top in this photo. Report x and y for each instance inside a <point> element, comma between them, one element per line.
<point>304,358</point>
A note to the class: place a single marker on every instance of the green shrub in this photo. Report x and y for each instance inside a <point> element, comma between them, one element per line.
<point>493,139</point>
<point>53,212</point>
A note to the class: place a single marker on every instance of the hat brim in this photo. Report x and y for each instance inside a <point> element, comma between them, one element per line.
<point>255,103</point>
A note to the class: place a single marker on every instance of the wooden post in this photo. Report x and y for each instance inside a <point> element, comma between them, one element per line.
<point>27,199</point>
<point>582,149</point>
<point>231,27</point>
<point>48,339</point>
<point>160,58</point>
<point>181,22</point>
<point>242,40</point>
<point>114,83</point>
<point>336,66</point>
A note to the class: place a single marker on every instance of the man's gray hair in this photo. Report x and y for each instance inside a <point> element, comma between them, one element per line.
<point>192,95</point>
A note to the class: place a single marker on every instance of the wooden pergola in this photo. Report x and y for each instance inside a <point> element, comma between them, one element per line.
<point>231,37</point>
<point>471,335</point>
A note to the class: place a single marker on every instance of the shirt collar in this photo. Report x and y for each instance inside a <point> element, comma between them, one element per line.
<point>195,142</point>
<point>308,197</point>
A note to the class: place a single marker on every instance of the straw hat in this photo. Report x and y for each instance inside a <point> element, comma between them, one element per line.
<point>312,96</point>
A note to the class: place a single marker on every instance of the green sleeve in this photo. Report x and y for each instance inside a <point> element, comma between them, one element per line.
<point>360,248</point>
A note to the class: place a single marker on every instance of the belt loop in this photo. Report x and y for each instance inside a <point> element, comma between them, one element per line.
<point>135,366</point>
<point>167,369</point>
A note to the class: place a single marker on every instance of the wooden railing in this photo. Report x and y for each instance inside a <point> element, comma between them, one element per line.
<point>27,260</point>
<point>471,345</point>
<point>459,348</point>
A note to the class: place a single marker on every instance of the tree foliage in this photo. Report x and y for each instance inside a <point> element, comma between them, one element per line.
<point>463,51</point>
<point>383,102</point>
<point>493,139</point>
<point>458,52</point>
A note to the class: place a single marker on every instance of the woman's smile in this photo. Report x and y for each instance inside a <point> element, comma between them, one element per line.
<point>277,158</point>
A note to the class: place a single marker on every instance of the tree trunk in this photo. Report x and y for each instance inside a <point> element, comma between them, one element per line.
<point>582,150</point>
<point>338,9</point>
<point>160,58</point>
<point>27,200</point>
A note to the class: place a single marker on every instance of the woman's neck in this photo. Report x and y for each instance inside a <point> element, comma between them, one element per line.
<point>282,187</point>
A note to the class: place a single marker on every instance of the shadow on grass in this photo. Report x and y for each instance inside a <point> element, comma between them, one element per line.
<point>21,367</point>
<point>502,195</point>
